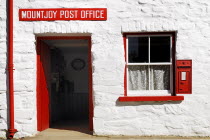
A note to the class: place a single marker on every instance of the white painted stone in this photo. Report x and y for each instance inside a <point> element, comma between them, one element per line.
<point>99,124</point>
<point>3,125</point>
<point>3,47</point>
<point>26,114</point>
<point>3,82</point>
<point>3,134</point>
<point>188,18</point>
<point>24,85</point>
<point>3,101</point>
<point>3,114</point>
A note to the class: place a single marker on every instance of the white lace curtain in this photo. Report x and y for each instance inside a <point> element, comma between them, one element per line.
<point>139,77</point>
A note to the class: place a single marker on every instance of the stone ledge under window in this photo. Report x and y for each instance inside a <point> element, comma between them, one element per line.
<point>150,98</point>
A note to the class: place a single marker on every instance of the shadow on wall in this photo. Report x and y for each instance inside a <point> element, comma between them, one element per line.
<point>7,73</point>
<point>137,103</point>
<point>7,96</point>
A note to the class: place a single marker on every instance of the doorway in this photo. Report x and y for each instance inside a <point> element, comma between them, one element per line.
<point>64,83</point>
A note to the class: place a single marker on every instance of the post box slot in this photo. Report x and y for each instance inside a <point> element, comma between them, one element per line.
<point>184,67</point>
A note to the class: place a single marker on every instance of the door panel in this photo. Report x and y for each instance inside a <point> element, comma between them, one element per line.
<point>43,89</point>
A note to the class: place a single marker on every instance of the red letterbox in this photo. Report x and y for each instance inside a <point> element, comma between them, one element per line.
<point>184,77</point>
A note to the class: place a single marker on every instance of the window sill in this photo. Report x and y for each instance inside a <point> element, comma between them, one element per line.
<point>150,98</point>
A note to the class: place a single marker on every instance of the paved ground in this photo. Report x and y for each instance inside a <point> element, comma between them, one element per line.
<point>78,130</point>
<point>56,134</point>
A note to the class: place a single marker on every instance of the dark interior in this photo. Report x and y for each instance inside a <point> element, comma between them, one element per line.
<point>160,49</point>
<point>138,50</point>
<point>68,82</point>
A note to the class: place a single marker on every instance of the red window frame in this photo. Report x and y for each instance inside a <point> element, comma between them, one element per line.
<point>173,96</point>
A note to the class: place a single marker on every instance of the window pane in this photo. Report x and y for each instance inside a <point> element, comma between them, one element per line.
<point>160,77</point>
<point>138,49</point>
<point>160,49</point>
<point>138,78</point>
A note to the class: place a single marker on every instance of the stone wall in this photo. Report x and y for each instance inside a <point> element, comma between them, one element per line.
<point>3,59</point>
<point>189,18</point>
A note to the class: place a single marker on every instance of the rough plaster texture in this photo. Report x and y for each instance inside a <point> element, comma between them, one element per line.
<point>189,18</point>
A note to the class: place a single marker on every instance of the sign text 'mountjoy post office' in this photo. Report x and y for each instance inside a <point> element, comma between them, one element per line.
<point>63,14</point>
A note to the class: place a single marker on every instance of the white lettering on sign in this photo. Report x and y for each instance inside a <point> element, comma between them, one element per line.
<point>23,14</point>
<point>92,14</point>
<point>63,14</point>
<point>69,14</point>
<point>39,14</point>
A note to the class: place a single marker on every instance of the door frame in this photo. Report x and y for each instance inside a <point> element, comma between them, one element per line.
<point>90,85</point>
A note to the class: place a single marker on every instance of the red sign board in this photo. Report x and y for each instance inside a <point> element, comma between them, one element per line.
<point>63,14</point>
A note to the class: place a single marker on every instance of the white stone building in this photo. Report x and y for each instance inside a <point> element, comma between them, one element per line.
<point>76,70</point>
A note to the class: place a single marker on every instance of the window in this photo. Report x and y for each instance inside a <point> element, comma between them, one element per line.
<point>149,64</point>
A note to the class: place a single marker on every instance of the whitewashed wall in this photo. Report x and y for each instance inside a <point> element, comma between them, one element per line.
<point>3,97</point>
<point>191,20</point>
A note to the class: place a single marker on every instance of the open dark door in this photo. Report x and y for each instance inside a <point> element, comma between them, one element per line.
<point>43,63</point>
<point>55,102</point>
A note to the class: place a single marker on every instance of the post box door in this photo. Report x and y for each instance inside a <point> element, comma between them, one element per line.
<point>184,83</point>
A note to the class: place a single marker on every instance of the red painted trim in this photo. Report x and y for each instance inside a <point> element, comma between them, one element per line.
<point>62,37</point>
<point>39,39</point>
<point>148,33</point>
<point>90,87</point>
<point>150,98</point>
<point>125,71</point>
<point>174,62</point>
<point>63,14</point>
<point>11,129</point>
<point>185,93</point>
<point>38,49</point>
